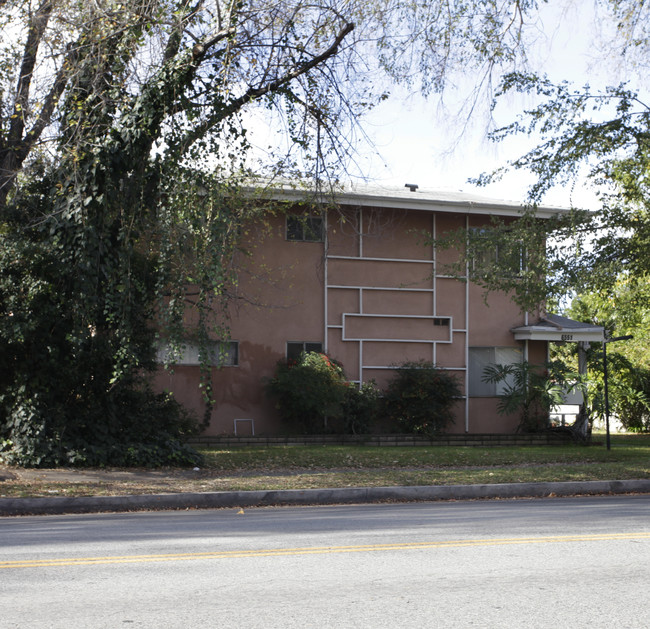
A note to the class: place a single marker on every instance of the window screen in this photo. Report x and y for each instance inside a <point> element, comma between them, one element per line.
<point>305,228</point>
<point>479,359</point>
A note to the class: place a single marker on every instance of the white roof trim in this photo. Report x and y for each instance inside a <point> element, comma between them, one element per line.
<point>535,333</point>
<point>558,329</point>
<point>397,198</point>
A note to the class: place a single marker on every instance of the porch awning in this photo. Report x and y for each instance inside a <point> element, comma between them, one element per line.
<point>559,329</point>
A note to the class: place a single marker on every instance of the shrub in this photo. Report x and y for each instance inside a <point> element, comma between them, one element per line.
<point>630,399</point>
<point>308,390</point>
<point>129,428</point>
<point>531,390</point>
<point>420,398</point>
<point>360,408</point>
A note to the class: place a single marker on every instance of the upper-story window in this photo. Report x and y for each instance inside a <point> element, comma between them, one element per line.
<point>490,251</point>
<point>305,228</point>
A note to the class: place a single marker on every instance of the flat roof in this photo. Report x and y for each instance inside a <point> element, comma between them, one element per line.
<point>410,198</point>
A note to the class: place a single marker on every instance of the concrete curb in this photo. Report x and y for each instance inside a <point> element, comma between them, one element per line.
<point>358,495</point>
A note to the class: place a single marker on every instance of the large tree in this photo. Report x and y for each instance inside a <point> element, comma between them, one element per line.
<point>586,136</point>
<point>123,136</point>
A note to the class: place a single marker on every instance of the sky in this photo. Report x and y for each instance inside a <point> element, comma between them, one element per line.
<point>414,143</point>
<point>412,140</point>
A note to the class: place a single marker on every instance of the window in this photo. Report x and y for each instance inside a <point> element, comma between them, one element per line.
<point>221,354</point>
<point>295,348</point>
<point>305,228</point>
<point>479,359</point>
<point>488,253</point>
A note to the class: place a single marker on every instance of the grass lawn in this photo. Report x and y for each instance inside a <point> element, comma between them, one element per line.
<point>306,467</point>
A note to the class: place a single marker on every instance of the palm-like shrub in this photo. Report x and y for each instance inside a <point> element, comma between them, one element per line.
<point>530,390</point>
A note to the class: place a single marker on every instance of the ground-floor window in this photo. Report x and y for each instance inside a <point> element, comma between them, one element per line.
<point>479,359</point>
<point>220,354</point>
<point>295,348</point>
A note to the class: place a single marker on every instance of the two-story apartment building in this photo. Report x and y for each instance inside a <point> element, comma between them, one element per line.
<point>362,282</point>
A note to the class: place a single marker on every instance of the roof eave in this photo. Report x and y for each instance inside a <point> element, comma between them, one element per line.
<point>418,201</point>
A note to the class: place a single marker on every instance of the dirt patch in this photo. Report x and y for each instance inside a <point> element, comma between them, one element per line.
<point>6,474</point>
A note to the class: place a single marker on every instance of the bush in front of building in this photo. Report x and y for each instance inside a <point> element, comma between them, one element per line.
<point>314,396</point>
<point>360,408</point>
<point>420,398</point>
<point>308,391</point>
<point>530,390</point>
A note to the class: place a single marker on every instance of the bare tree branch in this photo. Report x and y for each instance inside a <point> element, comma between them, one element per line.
<point>254,93</point>
<point>13,151</point>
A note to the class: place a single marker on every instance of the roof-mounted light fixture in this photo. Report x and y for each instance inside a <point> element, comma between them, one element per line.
<point>411,186</point>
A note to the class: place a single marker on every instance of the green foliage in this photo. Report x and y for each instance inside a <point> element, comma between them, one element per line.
<point>128,427</point>
<point>599,133</point>
<point>508,256</point>
<point>420,398</point>
<point>70,393</point>
<point>314,396</point>
<point>360,408</point>
<point>628,386</point>
<point>308,391</point>
<point>621,310</point>
<point>530,390</point>
<point>632,400</point>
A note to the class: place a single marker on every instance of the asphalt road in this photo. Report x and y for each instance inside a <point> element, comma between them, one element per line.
<point>568,562</point>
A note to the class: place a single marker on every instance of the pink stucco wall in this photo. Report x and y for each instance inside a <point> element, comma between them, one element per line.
<point>373,294</point>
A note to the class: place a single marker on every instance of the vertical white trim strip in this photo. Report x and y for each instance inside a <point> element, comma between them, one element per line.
<point>466,335</point>
<point>360,362</point>
<point>434,270</point>
<point>435,264</point>
<point>360,227</point>
<point>325,286</point>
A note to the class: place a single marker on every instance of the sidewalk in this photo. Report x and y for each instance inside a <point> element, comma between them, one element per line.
<point>295,497</point>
